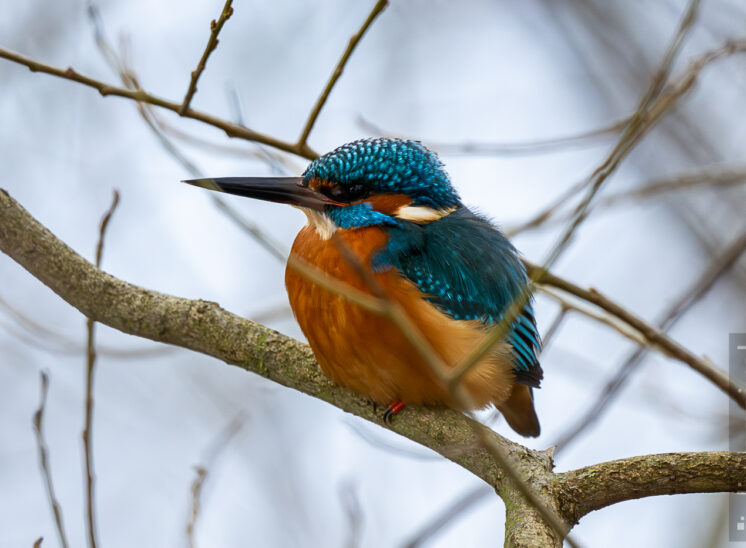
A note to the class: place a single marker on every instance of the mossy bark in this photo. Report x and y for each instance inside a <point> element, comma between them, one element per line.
<point>205,327</point>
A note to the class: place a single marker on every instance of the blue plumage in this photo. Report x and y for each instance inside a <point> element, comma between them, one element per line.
<point>388,165</point>
<point>471,272</point>
<point>462,262</point>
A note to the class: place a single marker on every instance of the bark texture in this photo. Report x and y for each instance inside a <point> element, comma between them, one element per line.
<point>205,327</point>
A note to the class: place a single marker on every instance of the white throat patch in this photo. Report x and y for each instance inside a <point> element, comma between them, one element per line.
<point>321,222</point>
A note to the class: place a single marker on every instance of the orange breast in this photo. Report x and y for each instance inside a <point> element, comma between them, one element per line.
<point>366,352</point>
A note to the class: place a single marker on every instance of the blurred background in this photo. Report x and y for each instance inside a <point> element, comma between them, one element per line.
<point>295,471</point>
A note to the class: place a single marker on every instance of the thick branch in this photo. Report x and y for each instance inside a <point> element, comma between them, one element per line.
<point>594,487</point>
<point>301,149</point>
<point>205,327</point>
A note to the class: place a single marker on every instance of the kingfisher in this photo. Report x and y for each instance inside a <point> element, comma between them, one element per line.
<point>453,272</point>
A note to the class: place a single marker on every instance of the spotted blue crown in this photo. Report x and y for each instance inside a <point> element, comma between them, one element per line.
<point>388,166</point>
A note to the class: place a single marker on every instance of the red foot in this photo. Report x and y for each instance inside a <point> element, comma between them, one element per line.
<point>394,408</point>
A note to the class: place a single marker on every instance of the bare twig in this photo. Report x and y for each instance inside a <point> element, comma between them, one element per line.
<point>369,436</point>
<point>213,451</point>
<point>308,270</point>
<point>553,328</point>
<point>505,149</point>
<point>37,543</point>
<point>445,517</point>
<point>90,367</point>
<point>638,124</point>
<point>206,328</point>
<point>230,129</point>
<point>49,340</point>
<point>351,504</point>
<point>717,268</point>
<point>650,110</point>
<point>572,303</point>
<point>711,177</point>
<point>641,123</point>
<point>196,493</point>
<point>212,43</point>
<point>44,463</point>
<point>394,312</point>
<point>652,335</point>
<point>379,6</point>
<point>708,178</point>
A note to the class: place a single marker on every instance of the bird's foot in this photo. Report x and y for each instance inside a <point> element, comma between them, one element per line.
<point>394,408</point>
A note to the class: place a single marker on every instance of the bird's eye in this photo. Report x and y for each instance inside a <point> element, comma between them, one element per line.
<point>346,193</point>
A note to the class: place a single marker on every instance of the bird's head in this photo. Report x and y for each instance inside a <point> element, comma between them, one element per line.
<point>364,183</point>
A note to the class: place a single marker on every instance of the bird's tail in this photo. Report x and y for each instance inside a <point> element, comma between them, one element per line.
<point>519,411</point>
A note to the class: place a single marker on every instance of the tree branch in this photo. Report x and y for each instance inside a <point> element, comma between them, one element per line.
<point>474,148</point>
<point>654,336</point>
<point>594,487</point>
<point>230,129</point>
<point>90,368</point>
<point>375,12</point>
<point>212,43</point>
<point>205,327</point>
<point>44,463</point>
<point>235,130</point>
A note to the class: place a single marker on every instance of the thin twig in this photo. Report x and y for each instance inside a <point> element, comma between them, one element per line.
<point>445,517</point>
<point>311,272</point>
<point>711,177</point>
<point>650,110</point>
<point>351,504</point>
<point>90,367</point>
<point>213,451</point>
<point>196,493</point>
<point>652,335</point>
<point>553,328</point>
<point>212,43</point>
<point>379,6</point>
<point>373,439</point>
<point>394,312</point>
<point>717,268</point>
<point>44,463</point>
<point>119,64</point>
<point>205,327</point>
<point>230,129</point>
<point>504,149</point>
<point>571,302</point>
<point>640,124</point>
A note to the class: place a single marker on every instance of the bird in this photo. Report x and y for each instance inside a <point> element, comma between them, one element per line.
<point>388,206</point>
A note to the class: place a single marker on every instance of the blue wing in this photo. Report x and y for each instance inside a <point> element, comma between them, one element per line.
<point>470,270</point>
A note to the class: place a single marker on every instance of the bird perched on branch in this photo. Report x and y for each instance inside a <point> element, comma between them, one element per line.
<point>386,208</point>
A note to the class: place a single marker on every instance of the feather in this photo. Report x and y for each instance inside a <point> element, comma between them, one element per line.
<point>470,271</point>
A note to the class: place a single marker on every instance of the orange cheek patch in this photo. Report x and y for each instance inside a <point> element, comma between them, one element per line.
<point>387,204</point>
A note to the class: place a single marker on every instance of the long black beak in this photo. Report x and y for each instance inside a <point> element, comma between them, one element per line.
<point>284,190</point>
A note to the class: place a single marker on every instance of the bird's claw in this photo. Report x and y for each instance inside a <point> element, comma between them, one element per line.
<point>393,409</point>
